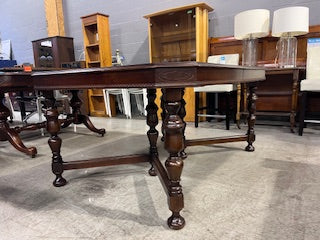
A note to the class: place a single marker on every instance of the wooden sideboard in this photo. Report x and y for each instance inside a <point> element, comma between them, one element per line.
<point>278,94</point>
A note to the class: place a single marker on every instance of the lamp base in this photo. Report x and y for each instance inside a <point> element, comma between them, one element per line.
<point>287,52</point>
<point>249,52</point>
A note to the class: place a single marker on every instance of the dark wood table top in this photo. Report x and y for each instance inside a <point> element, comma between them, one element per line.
<point>163,75</point>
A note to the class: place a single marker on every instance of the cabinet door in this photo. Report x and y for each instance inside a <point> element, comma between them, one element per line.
<point>173,37</point>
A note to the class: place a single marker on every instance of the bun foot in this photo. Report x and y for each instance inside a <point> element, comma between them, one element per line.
<point>102,132</point>
<point>249,148</point>
<point>32,151</point>
<point>152,171</point>
<point>59,182</point>
<point>176,222</point>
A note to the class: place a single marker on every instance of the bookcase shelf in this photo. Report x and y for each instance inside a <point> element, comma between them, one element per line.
<point>179,34</point>
<point>96,36</point>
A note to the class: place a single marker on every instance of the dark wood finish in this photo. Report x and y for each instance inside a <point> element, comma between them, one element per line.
<point>303,100</point>
<point>210,109</point>
<point>162,75</point>
<point>106,161</point>
<point>77,118</point>
<point>20,82</point>
<point>16,80</point>
<point>174,143</point>
<point>182,113</point>
<point>279,93</point>
<point>309,109</point>
<point>217,140</point>
<point>11,134</point>
<point>252,98</point>
<point>152,121</point>
<point>172,78</point>
<point>61,50</point>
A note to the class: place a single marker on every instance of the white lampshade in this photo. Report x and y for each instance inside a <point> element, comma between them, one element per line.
<point>251,24</point>
<point>290,21</point>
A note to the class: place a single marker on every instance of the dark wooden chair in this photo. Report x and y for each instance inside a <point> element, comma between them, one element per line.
<point>226,89</point>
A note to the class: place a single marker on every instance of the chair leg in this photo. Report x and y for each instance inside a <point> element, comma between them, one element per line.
<point>303,103</point>
<point>120,103</point>
<point>22,106</point>
<point>145,100</point>
<point>107,102</point>
<point>10,106</point>
<point>39,110</point>
<point>126,102</point>
<point>196,118</point>
<point>228,111</point>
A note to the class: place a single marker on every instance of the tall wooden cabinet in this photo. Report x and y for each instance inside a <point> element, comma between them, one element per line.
<point>180,34</point>
<point>52,51</point>
<point>97,47</point>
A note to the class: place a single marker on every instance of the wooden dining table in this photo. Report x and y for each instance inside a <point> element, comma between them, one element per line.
<point>171,77</point>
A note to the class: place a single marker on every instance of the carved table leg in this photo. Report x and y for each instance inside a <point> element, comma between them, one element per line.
<point>10,134</point>
<point>252,97</point>
<point>294,100</point>
<point>182,114</point>
<point>152,121</point>
<point>163,113</point>
<point>53,127</point>
<point>174,144</point>
<point>245,104</point>
<point>78,118</point>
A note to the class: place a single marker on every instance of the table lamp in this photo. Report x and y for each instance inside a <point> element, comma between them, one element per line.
<point>288,23</point>
<point>248,27</point>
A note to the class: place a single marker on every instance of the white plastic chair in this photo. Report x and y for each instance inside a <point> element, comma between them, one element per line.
<point>312,82</point>
<point>230,59</point>
<point>122,98</point>
<point>141,102</point>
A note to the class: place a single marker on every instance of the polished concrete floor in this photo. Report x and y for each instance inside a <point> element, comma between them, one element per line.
<point>272,193</point>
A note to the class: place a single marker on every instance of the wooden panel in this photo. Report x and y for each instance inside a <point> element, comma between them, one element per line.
<point>274,103</point>
<point>54,17</point>
<point>104,41</point>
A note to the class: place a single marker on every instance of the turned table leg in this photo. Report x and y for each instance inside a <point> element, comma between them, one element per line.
<point>77,118</point>
<point>252,98</point>
<point>152,121</point>
<point>174,143</point>
<point>163,114</point>
<point>10,134</point>
<point>182,114</point>
<point>53,127</point>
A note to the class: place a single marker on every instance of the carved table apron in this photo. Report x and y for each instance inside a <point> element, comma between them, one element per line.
<point>172,78</point>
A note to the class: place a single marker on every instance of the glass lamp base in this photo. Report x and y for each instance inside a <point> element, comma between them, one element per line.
<point>287,52</point>
<point>249,52</point>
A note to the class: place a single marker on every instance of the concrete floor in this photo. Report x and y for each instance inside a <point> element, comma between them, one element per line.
<point>272,193</point>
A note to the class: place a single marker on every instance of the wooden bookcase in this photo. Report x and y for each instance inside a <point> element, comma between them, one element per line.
<point>97,47</point>
<point>180,34</point>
